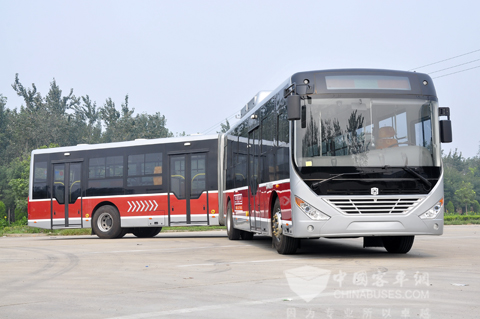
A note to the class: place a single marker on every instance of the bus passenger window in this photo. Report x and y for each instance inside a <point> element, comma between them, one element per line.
<point>283,128</point>
<point>40,181</point>
<point>145,169</point>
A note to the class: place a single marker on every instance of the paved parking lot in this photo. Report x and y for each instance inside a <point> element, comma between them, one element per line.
<point>204,275</point>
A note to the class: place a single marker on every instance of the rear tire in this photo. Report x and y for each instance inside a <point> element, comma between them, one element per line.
<point>106,222</point>
<point>233,233</point>
<point>283,244</point>
<point>398,244</point>
<point>146,232</point>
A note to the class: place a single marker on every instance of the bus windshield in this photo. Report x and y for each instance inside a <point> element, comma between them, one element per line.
<point>366,132</point>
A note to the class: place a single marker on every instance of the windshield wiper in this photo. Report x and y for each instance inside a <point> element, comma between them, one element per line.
<point>315,185</point>
<point>413,172</point>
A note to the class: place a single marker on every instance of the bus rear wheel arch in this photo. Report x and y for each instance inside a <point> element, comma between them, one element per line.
<point>106,222</point>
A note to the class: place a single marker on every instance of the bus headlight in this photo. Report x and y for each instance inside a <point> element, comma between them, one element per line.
<point>310,211</point>
<point>433,212</point>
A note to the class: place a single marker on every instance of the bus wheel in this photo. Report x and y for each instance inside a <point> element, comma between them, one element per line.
<point>146,232</point>
<point>233,233</point>
<point>106,222</point>
<point>398,244</point>
<point>246,235</point>
<point>123,232</point>
<point>283,244</point>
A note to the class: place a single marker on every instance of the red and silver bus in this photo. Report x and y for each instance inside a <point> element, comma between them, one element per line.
<point>127,187</point>
<point>337,154</point>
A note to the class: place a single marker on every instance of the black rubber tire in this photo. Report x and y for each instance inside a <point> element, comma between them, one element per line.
<point>398,244</point>
<point>284,245</point>
<point>123,233</point>
<point>246,235</point>
<point>106,222</point>
<point>232,232</point>
<point>146,232</point>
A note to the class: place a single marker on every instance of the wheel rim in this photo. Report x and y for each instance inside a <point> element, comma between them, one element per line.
<point>276,227</point>
<point>105,222</point>
<point>229,213</point>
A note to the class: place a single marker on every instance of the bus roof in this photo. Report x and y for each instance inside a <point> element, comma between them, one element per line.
<point>137,142</point>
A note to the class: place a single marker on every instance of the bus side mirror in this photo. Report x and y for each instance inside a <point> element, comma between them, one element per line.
<point>446,131</point>
<point>445,125</point>
<point>293,107</point>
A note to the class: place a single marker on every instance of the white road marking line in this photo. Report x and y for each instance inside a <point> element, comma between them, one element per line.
<point>242,262</point>
<point>211,307</point>
<point>164,249</point>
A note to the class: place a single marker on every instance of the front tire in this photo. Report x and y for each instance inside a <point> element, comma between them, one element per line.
<point>398,244</point>
<point>123,232</point>
<point>146,232</point>
<point>283,244</point>
<point>106,222</point>
<point>233,233</point>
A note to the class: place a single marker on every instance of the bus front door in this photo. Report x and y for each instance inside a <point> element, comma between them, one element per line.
<point>188,194</point>
<point>66,208</point>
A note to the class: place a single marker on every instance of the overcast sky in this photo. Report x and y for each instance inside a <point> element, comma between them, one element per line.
<point>199,62</point>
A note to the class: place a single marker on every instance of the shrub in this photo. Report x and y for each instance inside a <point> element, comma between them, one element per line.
<point>450,208</point>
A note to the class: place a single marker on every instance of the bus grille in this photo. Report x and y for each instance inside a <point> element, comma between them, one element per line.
<point>374,205</point>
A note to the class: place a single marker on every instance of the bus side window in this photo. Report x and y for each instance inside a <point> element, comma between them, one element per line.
<point>281,168</point>
<point>145,169</point>
<point>40,190</point>
<point>105,176</point>
<point>283,128</point>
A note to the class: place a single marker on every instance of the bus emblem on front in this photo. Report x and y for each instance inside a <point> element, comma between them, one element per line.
<point>374,191</point>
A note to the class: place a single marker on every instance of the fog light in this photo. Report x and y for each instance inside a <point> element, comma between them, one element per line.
<point>310,228</point>
<point>435,226</point>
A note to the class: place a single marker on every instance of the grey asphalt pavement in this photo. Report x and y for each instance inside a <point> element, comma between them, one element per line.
<point>204,275</point>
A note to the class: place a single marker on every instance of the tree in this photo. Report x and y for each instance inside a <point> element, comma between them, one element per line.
<point>450,208</point>
<point>476,206</point>
<point>465,195</point>
<point>19,188</point>
<point>3,211</point>
<point>4,117</point>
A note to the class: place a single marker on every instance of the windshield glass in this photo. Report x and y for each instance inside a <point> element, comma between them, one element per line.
<point>366,132</point>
